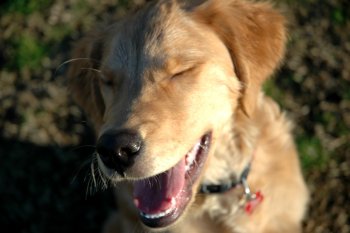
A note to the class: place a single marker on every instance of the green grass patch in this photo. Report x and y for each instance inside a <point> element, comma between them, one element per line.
<point>345,92</point>
<point>59,32</point>
<point>338,16</point>
<point>81,6</point>
<point>312,153</point>
<point>30,52</point>
<point>25,6</point>
<point>272,90</point>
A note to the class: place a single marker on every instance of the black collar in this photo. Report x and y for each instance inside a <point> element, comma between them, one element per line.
<point>221,188</point>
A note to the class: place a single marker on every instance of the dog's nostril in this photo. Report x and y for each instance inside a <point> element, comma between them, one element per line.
<point>118,149</point>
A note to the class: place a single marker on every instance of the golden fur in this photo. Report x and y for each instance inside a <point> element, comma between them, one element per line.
<point>178,69</point>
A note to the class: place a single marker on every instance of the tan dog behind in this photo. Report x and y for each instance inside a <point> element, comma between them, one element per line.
<point>174,92</point>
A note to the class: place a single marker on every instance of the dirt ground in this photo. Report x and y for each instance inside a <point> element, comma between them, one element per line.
<point>46,142</point>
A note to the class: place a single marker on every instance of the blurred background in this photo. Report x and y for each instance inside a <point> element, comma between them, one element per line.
<point>46,143</point>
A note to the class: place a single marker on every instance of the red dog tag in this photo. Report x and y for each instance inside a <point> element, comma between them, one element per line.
<point>253,202</point>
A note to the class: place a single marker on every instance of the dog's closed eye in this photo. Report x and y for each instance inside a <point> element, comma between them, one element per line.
<point>182,72</point>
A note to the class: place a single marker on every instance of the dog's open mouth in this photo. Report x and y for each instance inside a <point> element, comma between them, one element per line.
<point>162,199</point>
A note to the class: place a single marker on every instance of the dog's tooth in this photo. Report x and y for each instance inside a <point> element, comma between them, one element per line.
<point>161,214</point>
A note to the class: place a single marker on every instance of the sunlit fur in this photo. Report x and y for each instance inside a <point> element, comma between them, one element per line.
<point>177,70</point>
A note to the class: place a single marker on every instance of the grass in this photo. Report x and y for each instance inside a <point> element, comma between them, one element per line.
<point>311,152</point>
<point>25,7</point>
<point>29,52</point>
<point>272,90</point>
<point>338,16</point>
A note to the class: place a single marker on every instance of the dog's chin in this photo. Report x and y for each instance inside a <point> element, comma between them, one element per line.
<point>162,199</point>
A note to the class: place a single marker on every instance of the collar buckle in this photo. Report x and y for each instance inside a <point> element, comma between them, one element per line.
<point>248,195</point>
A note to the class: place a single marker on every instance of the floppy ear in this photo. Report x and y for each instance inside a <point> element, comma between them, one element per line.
<point>83,77</point>
<point>255,36</point>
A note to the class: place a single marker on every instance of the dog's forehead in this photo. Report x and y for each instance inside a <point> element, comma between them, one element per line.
<point>147,38</point>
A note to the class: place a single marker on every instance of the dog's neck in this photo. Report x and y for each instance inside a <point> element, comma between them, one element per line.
<point>240,141</point>
<point>233,150</point>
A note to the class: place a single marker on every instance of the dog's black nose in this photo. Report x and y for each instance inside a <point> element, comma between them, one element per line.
<point>118,149</point>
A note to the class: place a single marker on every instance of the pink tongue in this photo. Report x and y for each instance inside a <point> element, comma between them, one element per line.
<point>154,195</point>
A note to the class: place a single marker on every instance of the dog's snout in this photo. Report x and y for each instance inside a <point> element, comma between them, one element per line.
<point>118,149</point>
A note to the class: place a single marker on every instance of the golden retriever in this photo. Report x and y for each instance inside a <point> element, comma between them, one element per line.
<point>174,93</point>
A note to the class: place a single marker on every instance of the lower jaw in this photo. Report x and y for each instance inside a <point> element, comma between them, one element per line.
<point>170,218</point>
<point>184,198</point>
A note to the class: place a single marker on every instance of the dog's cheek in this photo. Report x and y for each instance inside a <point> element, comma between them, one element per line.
<point>217,97</point>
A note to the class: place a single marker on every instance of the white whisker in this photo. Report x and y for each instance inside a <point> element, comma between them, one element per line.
<point>93,173</point>
<point>96,70</point>
<point>74,60</point>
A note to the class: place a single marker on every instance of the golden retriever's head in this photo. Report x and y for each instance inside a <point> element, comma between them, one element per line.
<point>161,84</point>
